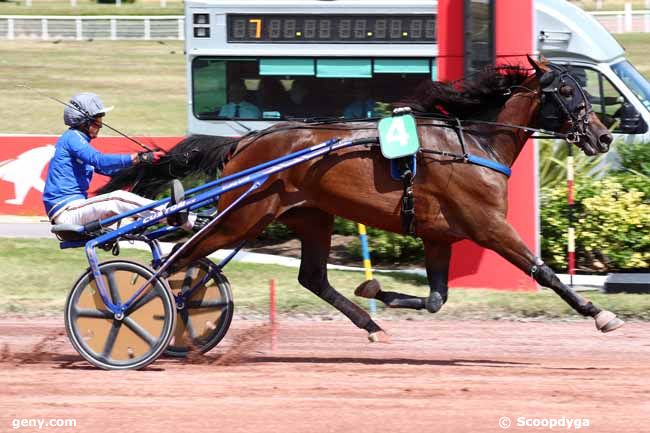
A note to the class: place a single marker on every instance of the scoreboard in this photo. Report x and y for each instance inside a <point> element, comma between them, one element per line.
<point>333,29</point>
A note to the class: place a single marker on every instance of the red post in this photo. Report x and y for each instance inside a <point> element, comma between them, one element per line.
<point>514,31</point>
<point>571,235</point>
<point>272,302</point>
<point>471,265</point>
<point>274,333</point>
<point>451,45</point>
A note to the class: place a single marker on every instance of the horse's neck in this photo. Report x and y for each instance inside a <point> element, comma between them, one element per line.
<point>520,110</point>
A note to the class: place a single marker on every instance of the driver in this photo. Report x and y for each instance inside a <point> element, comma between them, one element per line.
<point>74,162</point>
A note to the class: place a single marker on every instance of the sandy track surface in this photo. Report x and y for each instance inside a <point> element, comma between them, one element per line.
<point>435,376</point>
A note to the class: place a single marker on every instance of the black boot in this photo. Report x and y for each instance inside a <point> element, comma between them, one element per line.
<point>177,195</point>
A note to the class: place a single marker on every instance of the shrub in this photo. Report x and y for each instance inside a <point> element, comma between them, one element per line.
<point>384,247</point>
<point>611,226</point>
<point>612,222</point>
<point>276,232</point>
<point>635,158</point>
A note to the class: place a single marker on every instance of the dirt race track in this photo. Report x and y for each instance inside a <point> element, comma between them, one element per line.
<point>435,376</point>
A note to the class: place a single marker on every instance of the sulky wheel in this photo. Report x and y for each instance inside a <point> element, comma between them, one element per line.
<point>139,337</point>
<point>204,308</point>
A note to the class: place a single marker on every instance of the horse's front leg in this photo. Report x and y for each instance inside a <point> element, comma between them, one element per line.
<point>437,264</point>
<point>314,228</point>
<point>502,238</point>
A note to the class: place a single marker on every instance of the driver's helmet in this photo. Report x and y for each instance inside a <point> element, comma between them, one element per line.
<point>82,108</point>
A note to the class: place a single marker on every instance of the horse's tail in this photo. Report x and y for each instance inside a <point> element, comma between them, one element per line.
<point>195,155</point>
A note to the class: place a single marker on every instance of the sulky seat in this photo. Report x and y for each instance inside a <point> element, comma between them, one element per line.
<point>70,232</point>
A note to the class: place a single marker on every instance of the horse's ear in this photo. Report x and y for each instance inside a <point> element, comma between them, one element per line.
<point>536,66</point>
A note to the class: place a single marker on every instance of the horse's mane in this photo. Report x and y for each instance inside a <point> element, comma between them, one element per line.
<point>485,92</point>
<point>201,155</point>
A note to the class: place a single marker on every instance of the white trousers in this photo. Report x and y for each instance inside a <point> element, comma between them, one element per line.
<point>104,206</point>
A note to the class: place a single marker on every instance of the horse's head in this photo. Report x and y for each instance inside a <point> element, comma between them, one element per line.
<point>565,108</point>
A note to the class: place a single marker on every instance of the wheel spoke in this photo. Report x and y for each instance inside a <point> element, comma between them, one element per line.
<point>98,314</point>
<point>188,280</point>
<point>142,301</point>
<point>188,324</point>
<point>207,304</point>
<point>113,287</point>
<point>110,340</point>
<point>139,331</point>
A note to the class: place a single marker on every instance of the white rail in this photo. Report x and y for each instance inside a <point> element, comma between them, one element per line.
<point>624,21</point>
<point>92,27</point>
<point>120,27</point>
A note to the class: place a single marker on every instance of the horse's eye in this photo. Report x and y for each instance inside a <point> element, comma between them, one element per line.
<point>566,91</point>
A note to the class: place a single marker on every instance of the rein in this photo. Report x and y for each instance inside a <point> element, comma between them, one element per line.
<point>465,156</point>
<point>445,122</point>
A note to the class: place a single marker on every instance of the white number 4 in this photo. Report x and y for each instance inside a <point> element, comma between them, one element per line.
<point>397,132</point>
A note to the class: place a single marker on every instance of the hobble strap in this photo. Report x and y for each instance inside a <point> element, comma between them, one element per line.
<point>408,203</point>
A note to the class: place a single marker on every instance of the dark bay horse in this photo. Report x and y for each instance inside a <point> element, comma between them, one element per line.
<point>453,200</point>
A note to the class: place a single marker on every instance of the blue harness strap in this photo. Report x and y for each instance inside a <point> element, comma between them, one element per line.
<point>483,162</point>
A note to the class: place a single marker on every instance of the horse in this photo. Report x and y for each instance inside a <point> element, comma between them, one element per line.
<point>453,200</point>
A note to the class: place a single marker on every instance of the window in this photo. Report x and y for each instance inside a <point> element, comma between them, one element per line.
<point>634,80</point>
<point>608,103</point>
<point>273,89</point>
<point>208,86</point>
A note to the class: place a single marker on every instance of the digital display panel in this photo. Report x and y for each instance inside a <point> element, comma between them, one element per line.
<point>332,29</point>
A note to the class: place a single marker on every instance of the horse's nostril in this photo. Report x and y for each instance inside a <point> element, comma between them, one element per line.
<point>606,139</point>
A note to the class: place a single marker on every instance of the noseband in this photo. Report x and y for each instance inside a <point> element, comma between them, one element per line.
<point>557,108</point>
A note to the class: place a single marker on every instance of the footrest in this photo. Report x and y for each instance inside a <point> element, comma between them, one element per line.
<point>70,232</point>
<point>177,195</point>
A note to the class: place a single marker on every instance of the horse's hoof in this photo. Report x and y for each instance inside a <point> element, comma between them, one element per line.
<point>606,321</point>
<point>434,302</point>
<point>379,337</point>
<point>368,289</point>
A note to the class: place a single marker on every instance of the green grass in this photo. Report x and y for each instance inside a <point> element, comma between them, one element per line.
<point>144,80</point>
<point>36,277</point>
<point>88,7</point>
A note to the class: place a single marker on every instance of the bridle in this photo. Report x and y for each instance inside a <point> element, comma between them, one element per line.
<point>564,100</point>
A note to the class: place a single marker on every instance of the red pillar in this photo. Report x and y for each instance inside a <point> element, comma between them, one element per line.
<point>514,31</point>
<point>473,266</point>
<point>450,39</point>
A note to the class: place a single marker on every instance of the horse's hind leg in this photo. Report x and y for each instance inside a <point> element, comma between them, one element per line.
<point>437,256</point>
<point>437,264</point>
<point>503,239</point>
<point>314,228</point>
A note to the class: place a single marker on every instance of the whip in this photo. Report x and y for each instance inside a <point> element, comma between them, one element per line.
<point>79,110</point>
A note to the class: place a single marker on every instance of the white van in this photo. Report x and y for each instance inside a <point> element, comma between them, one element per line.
<point>620,95</point>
